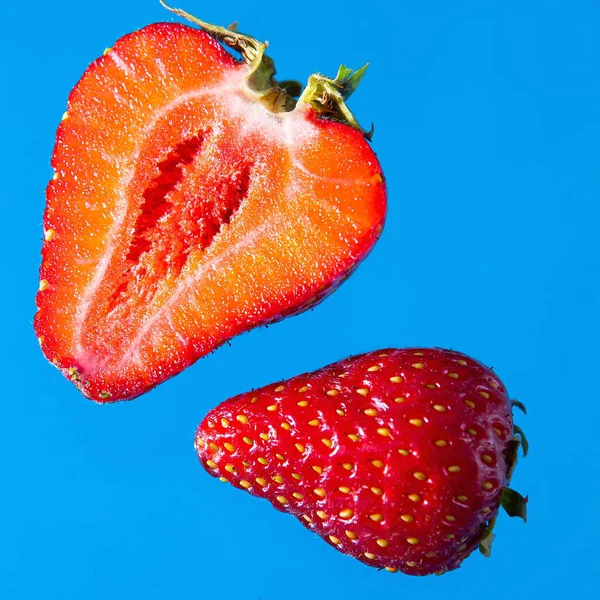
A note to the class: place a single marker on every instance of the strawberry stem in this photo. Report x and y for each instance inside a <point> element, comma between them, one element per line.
<point>261,82</point>
<point>326,96</point>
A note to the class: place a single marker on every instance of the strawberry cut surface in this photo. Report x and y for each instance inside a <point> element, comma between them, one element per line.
<point>184,212</point>
<point>399,458</point>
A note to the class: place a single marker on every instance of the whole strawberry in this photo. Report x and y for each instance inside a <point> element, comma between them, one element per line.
<point>399,458</point>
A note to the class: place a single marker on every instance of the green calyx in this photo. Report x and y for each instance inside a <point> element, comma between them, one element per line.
<point>326,96</point>
<point>524,442</point>
<point>513,503</point>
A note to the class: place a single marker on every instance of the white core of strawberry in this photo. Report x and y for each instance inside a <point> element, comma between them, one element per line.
<point>326,96</point>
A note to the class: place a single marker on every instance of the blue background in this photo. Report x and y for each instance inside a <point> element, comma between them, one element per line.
<point>487,122</point>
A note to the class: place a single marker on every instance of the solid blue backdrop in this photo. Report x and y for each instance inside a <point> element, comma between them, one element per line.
<point>487,120</point>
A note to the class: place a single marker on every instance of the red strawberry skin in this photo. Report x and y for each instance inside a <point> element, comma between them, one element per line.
<point>182,212</point>
<point>395,457</point>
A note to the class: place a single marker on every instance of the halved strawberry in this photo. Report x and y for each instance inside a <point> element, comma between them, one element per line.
<point>399,458</point>
<point>194,198</point>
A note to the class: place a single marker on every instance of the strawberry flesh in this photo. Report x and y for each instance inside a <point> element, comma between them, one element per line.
<point>396,457</point>
<point>183,212</point>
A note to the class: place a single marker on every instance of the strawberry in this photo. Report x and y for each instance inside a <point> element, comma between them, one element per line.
<point>399,458</point>
<point>193,199</point>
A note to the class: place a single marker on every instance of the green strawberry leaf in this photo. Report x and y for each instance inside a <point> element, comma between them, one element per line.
<point>512,453</point>
<point>349,80</point>
<point>524,442</point>
<point>328,96</point>
<point>519,405</point>
<point>487,538</point>
<point>513,503</point>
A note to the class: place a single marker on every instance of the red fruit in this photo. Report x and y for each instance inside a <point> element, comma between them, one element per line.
<point>400,458</point>
<point>194,199</point>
